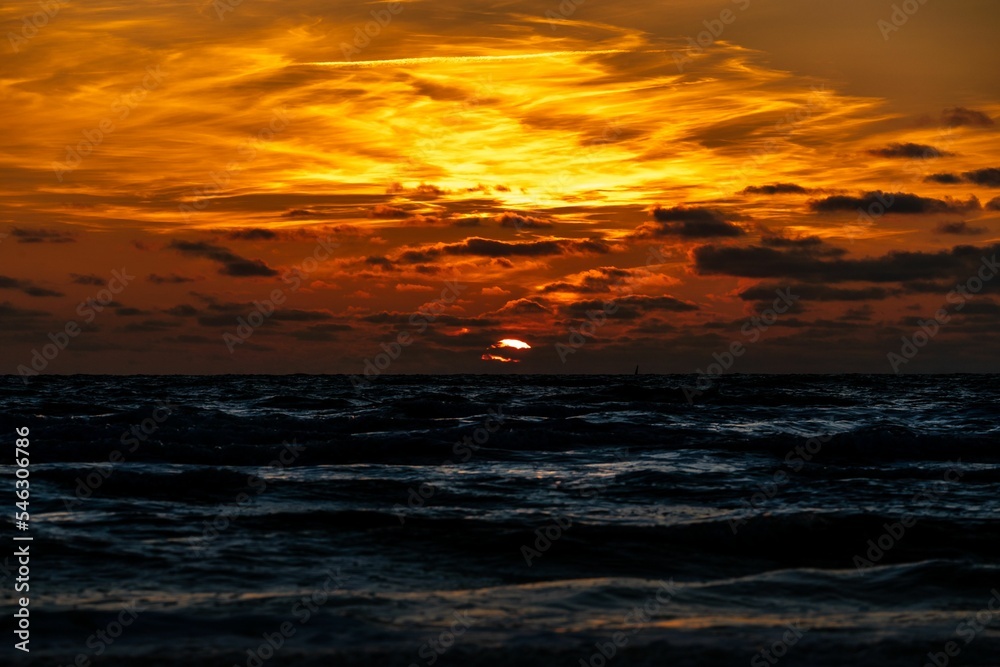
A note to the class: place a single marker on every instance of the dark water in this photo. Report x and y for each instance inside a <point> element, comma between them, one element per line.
<point>506,520</point>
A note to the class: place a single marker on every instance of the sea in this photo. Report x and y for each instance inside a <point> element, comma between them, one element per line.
<point>513,520</point>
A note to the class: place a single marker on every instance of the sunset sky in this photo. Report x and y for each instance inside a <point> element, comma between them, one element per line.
<point>447,175</point>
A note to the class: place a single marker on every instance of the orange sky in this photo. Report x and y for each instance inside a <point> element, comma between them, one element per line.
<point>468,172</point>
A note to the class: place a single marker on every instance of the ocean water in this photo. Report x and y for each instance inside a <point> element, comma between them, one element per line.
<point>509,520</point>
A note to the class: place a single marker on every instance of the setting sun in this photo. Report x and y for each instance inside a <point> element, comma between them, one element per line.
<point>514,343</point>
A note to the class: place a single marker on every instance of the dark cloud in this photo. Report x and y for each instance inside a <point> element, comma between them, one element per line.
<point>521,221</point>
<point>945,179</point>
<point>38,235</point>
<point>896,202</point>
<point>896,266</point>
<point>686,222</point>
<point>482,247</point>
<point>632,307</point>
<point>816,293</point>
<point>908,150</point>
<point>252,234</point>
<point>87,279</point>
<point>12,312</point>
<point>182,310</point>
<point>27,287</point>
<point>988,177</point>
<point>226,314</point>
<point>404,319</point>
<point>862,314</point>
<point>381,262</point>
<point>981,308</point>
<point>299,213</point>
<point>962,116</point>
<point>522,307</point>
<point>959,228</point>
<point>130,312</point>
<point>993,204</point>
<point>812,244</point>
<point>172,279</point>
<point>775,189</point>
<point>232,264</point>
<point>321,332</point>
<point>149,326</point>
<point>595,281</point>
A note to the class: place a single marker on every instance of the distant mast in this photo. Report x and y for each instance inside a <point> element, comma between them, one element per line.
<point>636,369</point>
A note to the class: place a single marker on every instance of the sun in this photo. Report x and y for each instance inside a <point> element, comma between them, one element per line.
<point>508,343</point>
<point>512,342</point>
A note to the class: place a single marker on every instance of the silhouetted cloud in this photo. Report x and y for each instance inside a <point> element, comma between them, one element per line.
<point>87,279</point>
<point>252,234</point>
<point>9,311</point>
<point>816,293</point>
<point>593,281</point>
<point>183,310</point>
<point>962,116</point>
<point>491,248</point>
<point>172,279</point>
<point>686,222</point>
<point>521,307</point>
<point>945,179</point>
<point>775,189</point>
<point>959,228</point>
<point>38,235</point>
<point>909,150</point>
<point>988,177</point>
<point>632,306</point>
<point>27,287</point>
<point>897,266</point>
<point>232,264</point>
<point>896,202</point>
<point>383,263</point>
